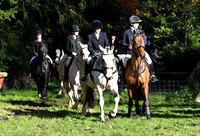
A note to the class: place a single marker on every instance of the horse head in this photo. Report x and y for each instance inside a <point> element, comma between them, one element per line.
<point>138,45</point>
<point>108,61</point>
<point>84,51</point>
<point>43,51</point>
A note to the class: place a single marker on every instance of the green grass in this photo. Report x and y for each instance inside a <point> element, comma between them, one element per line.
<point>23,113</point>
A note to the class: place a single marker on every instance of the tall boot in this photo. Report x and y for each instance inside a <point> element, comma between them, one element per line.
<point>153,77</point>
<point>85,73</point>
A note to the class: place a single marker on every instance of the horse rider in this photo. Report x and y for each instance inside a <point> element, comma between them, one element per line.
<point>128,42</point>
<point>114,42</point>
<point>95,39</point>
<point>73,42</point>
<point>36,44</point>
<point>73,45</point>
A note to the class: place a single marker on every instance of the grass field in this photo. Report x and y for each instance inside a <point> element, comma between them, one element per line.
<point>23,113</point>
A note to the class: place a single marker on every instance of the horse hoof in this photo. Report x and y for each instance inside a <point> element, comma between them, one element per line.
<point>103,120</point>
<point>39,95</point>
<point>60,92</point>
<point>90,111</point>
<point>84,112</point>
<point>138,112</point>
<point>111,116</point>
<point>149,117</point>
<point>75,106</point>
<point>129,115</point>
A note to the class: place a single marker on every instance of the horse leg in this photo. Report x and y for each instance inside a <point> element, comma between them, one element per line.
<point>101,103</point>
<point>45,90</point>
<point>84,92</point>
<point>90,99</point>
<point>137,107</point>
<point>130,102</point>
<point>113,113</point>
<point>143,107</point>
<point>61,87</point>
<point>146,92</point>
<point>75,90</point>
<point>64,92</point>
<point>70,94</point>
<point>39,89</point>
<point>147,108</point>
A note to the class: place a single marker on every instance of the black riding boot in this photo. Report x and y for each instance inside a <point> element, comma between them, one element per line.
<point>85,72</point>
<point>153,77</point>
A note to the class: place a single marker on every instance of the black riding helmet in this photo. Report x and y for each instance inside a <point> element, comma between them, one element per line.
<point>75,28</point>
<point>134,19</point>
<point>38,32</point>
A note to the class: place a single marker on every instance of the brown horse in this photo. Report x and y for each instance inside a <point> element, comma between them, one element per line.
<point>137,77</point>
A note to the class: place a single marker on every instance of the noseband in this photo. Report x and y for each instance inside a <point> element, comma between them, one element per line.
<point>103,71</point>
<point>140,66</point>
<point>137,48</point>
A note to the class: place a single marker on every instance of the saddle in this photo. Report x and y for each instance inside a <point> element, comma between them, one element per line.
<point>88,68</point>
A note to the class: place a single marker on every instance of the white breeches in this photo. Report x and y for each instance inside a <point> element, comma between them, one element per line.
<point>148,59</point>
<point>47,56</point>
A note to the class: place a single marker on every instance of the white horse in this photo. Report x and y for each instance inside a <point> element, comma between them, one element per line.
<point>70,86</point>
<point>59,56</point>
<point>74,74</point>
<point>103,76</point>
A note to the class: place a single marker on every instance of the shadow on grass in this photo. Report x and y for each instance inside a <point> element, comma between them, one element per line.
<point>45,113</point>
<point>29,103</point>
<point>176,111</point>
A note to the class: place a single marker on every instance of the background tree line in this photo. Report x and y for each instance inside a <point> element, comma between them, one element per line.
<point>172,26</point>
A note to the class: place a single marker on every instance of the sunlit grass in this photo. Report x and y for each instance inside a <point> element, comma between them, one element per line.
<point>23,113</point>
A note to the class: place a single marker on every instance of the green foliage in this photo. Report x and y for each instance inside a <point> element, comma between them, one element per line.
<point>171,26</point>
<point>178,58</point>
<point>184,96</point>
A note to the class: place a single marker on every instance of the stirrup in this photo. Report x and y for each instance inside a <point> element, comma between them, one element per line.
<point>153,78</point>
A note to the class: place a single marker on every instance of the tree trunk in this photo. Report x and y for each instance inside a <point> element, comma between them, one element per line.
<point>185,29</point>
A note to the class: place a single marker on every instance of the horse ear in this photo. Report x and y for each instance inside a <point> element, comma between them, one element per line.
<point>142,33</point>
<point>101,48</point>
<point>81,44</point>
<point>112,48</point>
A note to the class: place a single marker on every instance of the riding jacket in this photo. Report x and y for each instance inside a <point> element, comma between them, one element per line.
<point>93,42</point>
<point>128,39</point>
<point>73,45</point>
<point>36,44</point>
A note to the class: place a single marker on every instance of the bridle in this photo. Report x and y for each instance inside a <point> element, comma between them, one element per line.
<point>104,68</point>
<point>77,60</point>
<point>139,61</point>
<point>42,52</point>
<point>136,49</point>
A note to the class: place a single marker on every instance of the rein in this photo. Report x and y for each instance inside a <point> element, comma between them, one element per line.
<point>102,71</point>
<point>79,61</point>
<point>140,66</point>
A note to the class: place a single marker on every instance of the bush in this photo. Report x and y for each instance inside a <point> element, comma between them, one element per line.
<point>184,96</point>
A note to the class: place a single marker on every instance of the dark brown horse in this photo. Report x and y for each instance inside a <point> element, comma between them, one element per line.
<point>40,70</point>
<point>137,77</point>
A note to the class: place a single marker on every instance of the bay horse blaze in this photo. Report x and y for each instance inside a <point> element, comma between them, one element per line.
<point>137,77</point>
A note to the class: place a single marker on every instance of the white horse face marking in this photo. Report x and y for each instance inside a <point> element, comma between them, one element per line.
<point>108,64</point>
<point>84,51</point>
